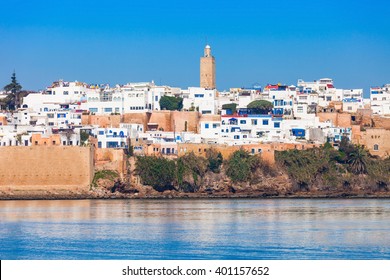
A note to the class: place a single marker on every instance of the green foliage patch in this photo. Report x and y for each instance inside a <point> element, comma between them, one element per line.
<point>171,103</point>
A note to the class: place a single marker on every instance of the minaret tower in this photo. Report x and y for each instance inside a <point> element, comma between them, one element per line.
<point>207,69</point>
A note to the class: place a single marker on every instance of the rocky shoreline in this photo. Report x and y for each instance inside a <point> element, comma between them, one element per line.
<point>102,193</point>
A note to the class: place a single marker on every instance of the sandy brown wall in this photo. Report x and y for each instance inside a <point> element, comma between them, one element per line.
<point>38,168</point>
<point>103,121</point>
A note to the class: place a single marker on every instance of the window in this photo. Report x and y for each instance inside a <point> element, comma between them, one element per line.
<point>101,132</point>
<point>254,122</point>
<point>329,98</point>
<point>199,95</point>
<point>156,98</point>
<point>236,136</point>
<point>376,147</point>
<point>276,124</point>
<point>265,122</point>
<point>300,109</point>
<point>242,121</point>
<point>215,125</point>
<point>93,110</point>
<point>259,150</point>
<point>253,151</point>
<point>206,125</point>
<point>108,110</point>
<point>66,92</point>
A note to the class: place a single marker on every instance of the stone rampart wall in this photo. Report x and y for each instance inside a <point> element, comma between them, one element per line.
<point>46,168</point>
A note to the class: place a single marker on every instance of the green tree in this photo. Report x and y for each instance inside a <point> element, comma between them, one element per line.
<point>240,166</point>
<point>171,103</point>
<point>84,136</point>
<point>306,167</point>
<point>190,170</point>
<point>12,101</point>
<point>157,172</point>
<point>261,106</point>
<point>230,106</point>
<point>214,159</point>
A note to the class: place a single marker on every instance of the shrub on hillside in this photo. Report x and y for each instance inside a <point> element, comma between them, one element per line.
<point>240,166</point>
<point>214,159</point>
<point>190,170</point>
<point>157,172</point>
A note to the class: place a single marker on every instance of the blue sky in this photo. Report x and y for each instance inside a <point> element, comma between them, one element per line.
<point>253,41</point>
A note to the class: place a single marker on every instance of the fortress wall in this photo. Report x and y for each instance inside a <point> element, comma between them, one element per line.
<point>140,118</point>
<point>110,158</point>
<point>162,118</point>
<point>39,168</point>
<point>103,121</point>
<point>179,120</point>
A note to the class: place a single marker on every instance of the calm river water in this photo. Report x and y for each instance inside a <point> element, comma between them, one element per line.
<point>196,229</point>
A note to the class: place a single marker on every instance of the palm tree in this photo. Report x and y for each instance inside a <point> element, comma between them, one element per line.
<point>357,161</point>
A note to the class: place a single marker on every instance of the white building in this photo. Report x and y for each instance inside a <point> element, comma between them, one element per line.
<point>58,93</point>
<point>200,99</point>
<point>245,129</point>
<point>111,137</point>
<point>282,98</point>
<point>380,100</point>
<point>323,87</point>
<point>210,131</point>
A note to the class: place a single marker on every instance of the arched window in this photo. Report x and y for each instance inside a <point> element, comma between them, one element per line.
<point>376,147</point>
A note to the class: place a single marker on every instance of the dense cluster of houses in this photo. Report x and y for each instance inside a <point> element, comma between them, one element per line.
<point>130,115</point>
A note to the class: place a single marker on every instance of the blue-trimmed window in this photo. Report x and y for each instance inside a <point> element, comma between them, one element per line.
<point>265,122</point>
<point>206,125</point>
<point>276,124</point>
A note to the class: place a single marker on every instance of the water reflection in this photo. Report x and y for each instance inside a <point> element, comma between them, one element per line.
<point>196,229</point>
